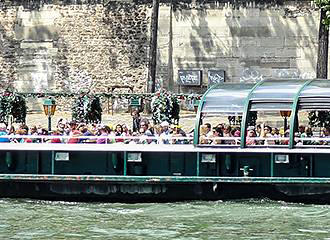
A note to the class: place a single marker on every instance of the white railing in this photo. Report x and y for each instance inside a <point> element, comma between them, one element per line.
<point>94,139</point>
<point>218,141</point>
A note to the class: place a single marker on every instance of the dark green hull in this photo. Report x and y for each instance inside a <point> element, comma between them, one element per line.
<point>163,173</point>
<point>164,192</point>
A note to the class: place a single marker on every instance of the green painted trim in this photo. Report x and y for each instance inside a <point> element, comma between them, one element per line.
<point>245,113</point>
<point>198,114</point>
<point>125,163</point>
<point>311,165</point>
<point>294,112</point>
<point>53,161</point>
<point>272,164</point>
<point>197,163</point>
<point>160,179</point>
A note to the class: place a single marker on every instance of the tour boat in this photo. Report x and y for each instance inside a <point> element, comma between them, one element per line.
<point>290,168</point>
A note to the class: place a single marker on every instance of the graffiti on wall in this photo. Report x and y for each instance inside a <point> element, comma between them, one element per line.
<point>292,73</point>
<point>251,75</point>
<point>254,75</point>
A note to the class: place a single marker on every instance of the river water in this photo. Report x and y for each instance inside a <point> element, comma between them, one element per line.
<point>247,219</point>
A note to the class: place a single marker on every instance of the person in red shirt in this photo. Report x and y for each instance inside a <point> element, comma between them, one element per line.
<point>55,140</point>
<point>75,135</point>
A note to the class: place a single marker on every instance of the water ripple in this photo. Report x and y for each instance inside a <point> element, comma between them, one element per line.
<point>247,219</point>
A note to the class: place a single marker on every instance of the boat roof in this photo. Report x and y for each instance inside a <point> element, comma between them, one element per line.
<point>269,94</point>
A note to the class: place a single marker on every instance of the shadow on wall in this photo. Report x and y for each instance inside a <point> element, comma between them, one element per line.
<point>127,25</point>
<point>8,57</point>
<point>249,44</point>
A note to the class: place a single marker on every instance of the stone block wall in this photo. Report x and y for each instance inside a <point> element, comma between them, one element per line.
<point>73,47</point>
<point>250,41</point>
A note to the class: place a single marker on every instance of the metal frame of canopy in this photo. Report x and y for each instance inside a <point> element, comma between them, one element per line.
<point>270,94</point>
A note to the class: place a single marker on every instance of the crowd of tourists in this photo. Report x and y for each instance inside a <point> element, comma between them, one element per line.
<point>261,135</point>
<point>72,132</point>
<point>141,131</point>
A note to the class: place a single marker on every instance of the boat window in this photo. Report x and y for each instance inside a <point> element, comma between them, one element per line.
<point>268,128</point>
<point>220,130</point>
<point>312,128</point>
<point>313,121</point>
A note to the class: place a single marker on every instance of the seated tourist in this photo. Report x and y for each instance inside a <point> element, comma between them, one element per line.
<point>251,134</point>
<point>102,131</point>
<point>55,140</point>
<point>307,134</point>
<point>135,139</point>
<point>217,134</point>
<point>237,134</point>
<point>204,139</point>
<point>145,136</point>
<point>178,132</point>
<point>228,134</point>
<point>25,139</point>
<point>266,132</point>
<point>325,134</point>
<point>165,134</point>
<point>75,137</point>
<point>3,132</point>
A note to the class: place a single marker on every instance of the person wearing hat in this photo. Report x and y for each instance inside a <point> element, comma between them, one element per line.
<point>165,134</point>
<point>251,134</point>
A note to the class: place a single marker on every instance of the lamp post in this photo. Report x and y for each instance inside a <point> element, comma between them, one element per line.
<point>285,115</point>
<point>49,109</point>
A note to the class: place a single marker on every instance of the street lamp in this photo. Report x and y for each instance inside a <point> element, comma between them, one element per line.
<point>285,115</point>
<point>49,109</point>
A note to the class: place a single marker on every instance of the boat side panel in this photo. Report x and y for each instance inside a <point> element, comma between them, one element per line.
<point>230,164</point>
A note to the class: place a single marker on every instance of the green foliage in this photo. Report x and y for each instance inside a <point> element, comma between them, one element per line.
<point>165,107</point>
<point>319,118</point>
<point>234,120</point>
<point>12,104</point>
<point>252,118</point>
<point>325,6</point>
<point>128,96</point>
<point>87,108</point>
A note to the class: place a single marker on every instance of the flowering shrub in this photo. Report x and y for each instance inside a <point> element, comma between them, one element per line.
<point>12,104</point>
<point>165,107</point>
<point>87,108</point>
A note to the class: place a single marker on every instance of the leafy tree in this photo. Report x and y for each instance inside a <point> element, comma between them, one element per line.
<point>319,118</point>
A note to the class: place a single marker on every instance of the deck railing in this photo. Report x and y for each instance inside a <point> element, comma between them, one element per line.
<point>204,141</point>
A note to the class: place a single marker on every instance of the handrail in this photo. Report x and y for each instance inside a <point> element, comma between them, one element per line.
<point>198,114</point>
<point>46,138</point>
<point>245,113</point>
<point>294,111</point>
<point>316,142</point>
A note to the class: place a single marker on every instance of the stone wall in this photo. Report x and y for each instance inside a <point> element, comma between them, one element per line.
<point>69,47</point>
<point>249,41</point>
<point>72,45</point>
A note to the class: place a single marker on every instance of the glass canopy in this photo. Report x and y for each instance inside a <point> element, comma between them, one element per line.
<point>227,99</point>
<point>315,96</point>
<point>271,94</point>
